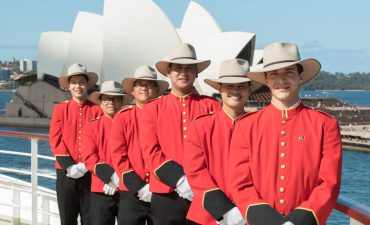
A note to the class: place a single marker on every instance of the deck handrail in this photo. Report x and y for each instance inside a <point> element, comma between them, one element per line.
<point>351,208</point>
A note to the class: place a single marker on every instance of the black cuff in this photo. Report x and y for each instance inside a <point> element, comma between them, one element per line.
<point>302,217</point>
<point>132,181</point>
<point>169,173</point>
<point>65,161</point>
<point>263,214</point>
<point>104,172</point>
<point>217,203</point>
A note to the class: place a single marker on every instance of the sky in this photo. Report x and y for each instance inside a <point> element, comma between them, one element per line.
<point>336,32</point>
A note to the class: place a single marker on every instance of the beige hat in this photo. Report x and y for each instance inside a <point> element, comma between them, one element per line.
<point>278,55</point>
<point>182,54</point>
<point>144,73</point>
<point>111,88</point>
<point>78,69</point>
<point>233,71</point>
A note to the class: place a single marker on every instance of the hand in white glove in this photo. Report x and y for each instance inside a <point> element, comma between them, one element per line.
<point>82,167</point>
<point>114,178</point>
<point>288,223</point>
<point>233,217</point>
<point>144,194</point>
<point>183,189</point>
<point>110,188</point>
<point>74,171</point>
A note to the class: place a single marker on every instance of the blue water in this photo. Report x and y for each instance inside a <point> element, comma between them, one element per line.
<point>356,165</point>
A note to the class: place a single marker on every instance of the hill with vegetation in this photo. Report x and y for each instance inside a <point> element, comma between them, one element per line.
<point>339,81</point>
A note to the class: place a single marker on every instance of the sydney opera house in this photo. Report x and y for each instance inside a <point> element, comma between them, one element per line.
<point>130,33</point>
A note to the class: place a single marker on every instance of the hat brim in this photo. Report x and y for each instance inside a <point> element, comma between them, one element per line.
<point>93,78</point>
<point>163,64</point>
<point>232,80</point>
<point>311,67</point>
<point>94,97</point>
<point>128,85</point>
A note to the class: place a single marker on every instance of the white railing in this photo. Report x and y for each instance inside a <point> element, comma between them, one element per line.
<point>38,196</point>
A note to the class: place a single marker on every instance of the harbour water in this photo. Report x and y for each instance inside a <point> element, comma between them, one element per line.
<point>356,165</point>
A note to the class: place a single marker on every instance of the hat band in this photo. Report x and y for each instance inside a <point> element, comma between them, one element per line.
<point>233,76</point>
<point>184,58</point>
<point>283,61</point>
<point>149,77</point>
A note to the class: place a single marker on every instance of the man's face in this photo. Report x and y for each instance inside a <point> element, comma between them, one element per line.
<point>182,76</point>
<point>234,96</point>
<point>284,84</point>
<point>144,90</point>
<point>78,86</point>
<point>110,104</point>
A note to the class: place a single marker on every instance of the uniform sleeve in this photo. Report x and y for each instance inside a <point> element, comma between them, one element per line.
<point>57,145</point>
<point>90,153</point>
<point>322,200</point>
<point>166,170</point>
<point>119,152</point>
<point>244,194</point>
<point>201,181</point>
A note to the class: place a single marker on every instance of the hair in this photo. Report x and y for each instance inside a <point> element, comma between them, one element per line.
<point>152,81</point>
<point>299,68</point>
<point>84,75</point>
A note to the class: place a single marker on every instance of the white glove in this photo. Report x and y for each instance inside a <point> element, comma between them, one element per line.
<point>74,171</point>
<point>183,189</point>
<point>288,223</point>
<point>233,217</point>
<point>82,167</point>
<point>144,194</point>
<point>110,188</point>
<point>114,178</point>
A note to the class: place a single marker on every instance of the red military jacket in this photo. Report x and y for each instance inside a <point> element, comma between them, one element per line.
<point>289,159</point>
<point>206,159</point>
<point>163,129</point>
<point>126,150</point>
<point>66,126</point>
<point>96,153</point>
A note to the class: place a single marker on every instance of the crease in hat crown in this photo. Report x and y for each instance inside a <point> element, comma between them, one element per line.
<point>184,51</point>
<point>145,72</point>
<point>76,69</point>
<point>279,55</point>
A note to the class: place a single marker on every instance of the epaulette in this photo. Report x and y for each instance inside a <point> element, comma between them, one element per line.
<point>325,113</point>
<point>65,101</point>
<point>207,96</point>
<point>96,118</point>
<point>247,114</point>
<point>204,115</point>
<point>125,108</point>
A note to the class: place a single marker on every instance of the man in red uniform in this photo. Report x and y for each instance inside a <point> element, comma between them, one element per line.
<point>207,148</point>
<point>285,160</point>
<point>73,181</point>
<point>163,129</point>
<point>134,208</point>
<point>96,154</point>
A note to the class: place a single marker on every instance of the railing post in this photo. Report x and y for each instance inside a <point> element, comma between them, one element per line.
<point>16,207</point>
<point>34,182</point>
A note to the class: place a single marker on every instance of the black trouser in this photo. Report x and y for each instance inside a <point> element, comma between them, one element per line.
<point>103,208</point>
<point>133,211</point>
<point>73,197</point>
<point>170,209</point>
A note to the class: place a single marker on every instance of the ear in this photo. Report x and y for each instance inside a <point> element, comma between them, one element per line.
<point>301,78</point>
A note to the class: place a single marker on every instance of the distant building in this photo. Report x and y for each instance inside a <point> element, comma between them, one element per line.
<point>26,65</point>
<point>4,74</point>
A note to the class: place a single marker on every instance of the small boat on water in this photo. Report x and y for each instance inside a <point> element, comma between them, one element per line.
<point>27,203</point>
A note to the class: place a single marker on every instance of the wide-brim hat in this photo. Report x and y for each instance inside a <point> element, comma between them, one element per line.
<point>279,55</point>
<point>233,71</point>
<point>144,73</point>
<point>111,88</point>
<point>75,70</point>
<point>182,54</point>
